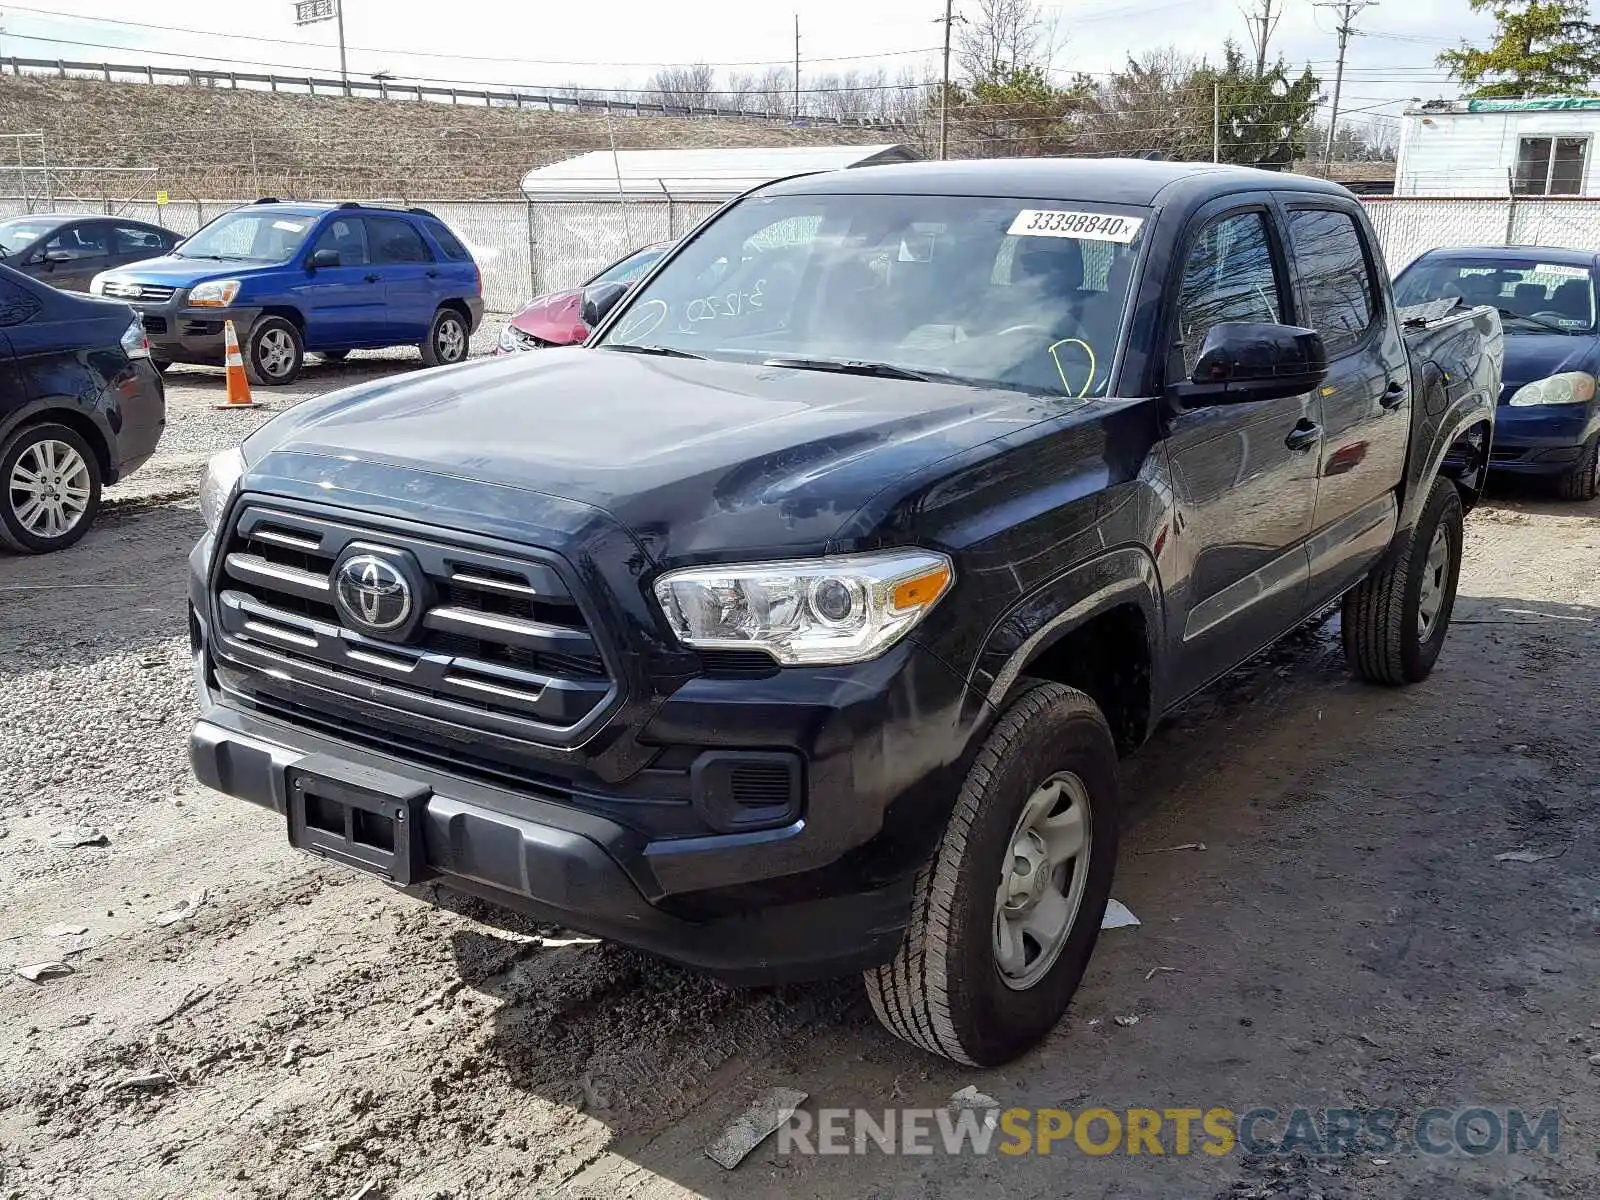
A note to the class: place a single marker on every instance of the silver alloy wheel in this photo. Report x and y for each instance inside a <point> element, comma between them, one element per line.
<point>1042,886</point>
<point>275,353</point>
<point>49,489</point>
<point>1430,596</point>
<point>451,340</point>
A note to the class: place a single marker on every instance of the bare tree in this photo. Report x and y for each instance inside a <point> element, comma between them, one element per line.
<point>683,87</point>
<point>1004,36</point>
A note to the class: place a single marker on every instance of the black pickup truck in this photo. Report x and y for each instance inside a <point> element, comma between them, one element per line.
<point>794,625</point>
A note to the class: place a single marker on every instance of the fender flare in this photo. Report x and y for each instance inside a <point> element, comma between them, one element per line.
<point>1121,576</point>
<point>1436,433</point>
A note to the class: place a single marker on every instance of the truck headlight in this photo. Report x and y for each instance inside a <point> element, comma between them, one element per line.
<point>217,485</point>
<point>843,609</point>
<point>1569,387</point>
<point>214,293</point>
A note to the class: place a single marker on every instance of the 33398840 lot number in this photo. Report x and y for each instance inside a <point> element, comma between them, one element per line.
<point>1089,226</point>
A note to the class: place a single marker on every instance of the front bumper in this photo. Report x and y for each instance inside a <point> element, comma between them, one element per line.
<point>1542,439</point>
<point>182,334</point>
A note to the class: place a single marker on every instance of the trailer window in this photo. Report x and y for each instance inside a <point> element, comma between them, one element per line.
<point>1551,166</point>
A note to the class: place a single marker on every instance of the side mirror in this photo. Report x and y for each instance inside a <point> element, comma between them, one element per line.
<point>324,258</point>
<point>56,256</point>
<point>1245,361</point>
<point>600,300</point>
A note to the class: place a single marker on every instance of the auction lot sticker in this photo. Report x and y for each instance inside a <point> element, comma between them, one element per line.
<point>1085,226</point>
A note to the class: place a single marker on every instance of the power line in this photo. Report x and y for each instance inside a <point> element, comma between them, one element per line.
<point>486,58</point>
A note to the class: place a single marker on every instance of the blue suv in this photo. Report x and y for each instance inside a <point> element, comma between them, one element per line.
<point>325,278</point>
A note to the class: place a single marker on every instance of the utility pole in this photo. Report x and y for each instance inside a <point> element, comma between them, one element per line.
<point>944,88</point>
<point>797,66</point>
<point>1263,22</point>
<point>1216,121</point>
<point>344,69</point>
<point>1348,11</point>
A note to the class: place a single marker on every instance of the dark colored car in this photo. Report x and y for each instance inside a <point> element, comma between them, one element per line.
<point>556,319</point>
<point>1548,424</point>
<point>68,251</point>
<point>327,278</point>
<point>794,625</point>
<point>81,406</point>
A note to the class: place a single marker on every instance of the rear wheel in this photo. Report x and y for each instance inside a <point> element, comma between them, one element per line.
<point>447,339</point>
<point>1583,481</point>
<point>1395,620</point>
<point>52,489</point>
<point>274,352</point>
<point>1007,912</point>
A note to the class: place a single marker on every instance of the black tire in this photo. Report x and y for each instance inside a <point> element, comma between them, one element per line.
<point>448,340</point>
<point>274,353</point>
<point>19,520</point>
<point>1384,639</point>
<point>333,356</point>
<point>1583,481</point>
<point>945,991</point>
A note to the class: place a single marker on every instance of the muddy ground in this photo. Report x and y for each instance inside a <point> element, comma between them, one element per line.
<point>1347,937</point>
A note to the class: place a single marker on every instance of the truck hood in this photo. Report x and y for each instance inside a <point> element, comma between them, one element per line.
<point>694,458</point>
<point>1534,356</point>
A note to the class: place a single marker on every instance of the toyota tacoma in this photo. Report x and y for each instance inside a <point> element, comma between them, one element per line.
<point>795,623</point>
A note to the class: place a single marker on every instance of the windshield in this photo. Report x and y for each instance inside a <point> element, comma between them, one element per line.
<point>1026,294</point>
<point>1533,296</point>
<point>250,237</point>
<point>20,234</point>
<point>630,268</point>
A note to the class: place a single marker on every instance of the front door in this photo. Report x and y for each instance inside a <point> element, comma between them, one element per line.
<point>410,277</point>
<point>1245,474</point>
<point>344,305</point>
<point>74,256</point>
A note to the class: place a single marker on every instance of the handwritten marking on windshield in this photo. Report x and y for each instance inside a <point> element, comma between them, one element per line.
<point>733,304</point>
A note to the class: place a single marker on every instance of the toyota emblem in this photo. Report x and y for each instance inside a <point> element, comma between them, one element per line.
<point>373,594</point>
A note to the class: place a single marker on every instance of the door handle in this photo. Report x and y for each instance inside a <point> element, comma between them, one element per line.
<point>1303,436</point>
<point>433,274</point>
<point>372,278</point>
<point>1393,396</point>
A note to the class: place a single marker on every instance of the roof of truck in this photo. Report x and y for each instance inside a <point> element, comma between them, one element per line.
<point>1106,180</point>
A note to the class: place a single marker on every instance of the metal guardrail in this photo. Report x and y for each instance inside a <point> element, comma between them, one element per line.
<point>386,89</point>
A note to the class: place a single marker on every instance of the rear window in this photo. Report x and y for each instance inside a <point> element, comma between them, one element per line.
<point>1532,295</point>
<point>448,242</point>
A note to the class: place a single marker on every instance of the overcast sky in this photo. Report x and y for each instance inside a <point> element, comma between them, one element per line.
<point>617,42</point>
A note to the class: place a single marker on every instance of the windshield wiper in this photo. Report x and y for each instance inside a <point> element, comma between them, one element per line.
<point>663,351</point>
<point>853,366</point>
<point>1539,321</point>
<point>201,257</point>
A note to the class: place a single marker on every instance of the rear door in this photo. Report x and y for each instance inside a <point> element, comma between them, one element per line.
<point>410,277</point>
<point>1246,474</point>
<point>344,305</point>
<point>133,243</point>
<point>1366,399</point>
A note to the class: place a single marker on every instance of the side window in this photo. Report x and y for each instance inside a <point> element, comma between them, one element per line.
<point>16,305</point>
<point>393,240</point>
<point>448,242</point>
<point>1334,279</point>
<point>136,239</point>
<point>88,239</point>
<point>348,236</point>
<point>1228,276</point>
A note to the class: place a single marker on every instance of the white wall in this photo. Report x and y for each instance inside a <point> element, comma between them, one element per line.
<point>1468,154</point>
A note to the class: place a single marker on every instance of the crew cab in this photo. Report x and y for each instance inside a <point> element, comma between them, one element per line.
<point>795,624</point>
<point>328,278</point>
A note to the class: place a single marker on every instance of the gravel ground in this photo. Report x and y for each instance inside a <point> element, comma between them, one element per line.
<point>1347,937</point>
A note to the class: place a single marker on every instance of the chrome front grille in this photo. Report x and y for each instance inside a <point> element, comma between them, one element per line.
<point>501,646</point>
<point>149,292</point>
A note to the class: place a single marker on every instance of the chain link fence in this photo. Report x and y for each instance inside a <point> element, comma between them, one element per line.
<point>528,248</point>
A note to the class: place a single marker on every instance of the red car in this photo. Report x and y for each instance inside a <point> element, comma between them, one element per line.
<point>557,319</point>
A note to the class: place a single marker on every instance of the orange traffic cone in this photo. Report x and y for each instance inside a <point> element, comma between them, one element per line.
<point>238,384</point>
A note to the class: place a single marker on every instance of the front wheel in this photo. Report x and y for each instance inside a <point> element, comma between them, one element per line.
<point>1395,620</point>
<point>447,339</point>
<point>1583,481</point>
<point>52,489</point>
<point>274,352</point>
<point>1007,912</point>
